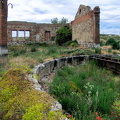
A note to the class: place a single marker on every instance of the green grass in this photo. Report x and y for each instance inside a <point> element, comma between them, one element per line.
<point>84,90</point>
<point>71,86</point>
<point>34,53</point>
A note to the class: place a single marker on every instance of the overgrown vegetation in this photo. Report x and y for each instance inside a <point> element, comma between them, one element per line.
<point>113,43</point>
<point>113,40</point>
<point>87,92</point>
<point>63,35</point>
<point>98,50</point>
<point>19,101</point>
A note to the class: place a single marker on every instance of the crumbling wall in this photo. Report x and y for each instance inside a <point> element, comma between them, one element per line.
<point>3,27</point>
<point>38,32</point>
<point>85,27</point>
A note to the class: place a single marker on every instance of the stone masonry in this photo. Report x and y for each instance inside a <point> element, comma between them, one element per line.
<point>85,27</point>
<point>3,27</point>
<point>38,32</point>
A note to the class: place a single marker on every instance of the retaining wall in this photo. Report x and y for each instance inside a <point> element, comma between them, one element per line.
<point>48,67</point>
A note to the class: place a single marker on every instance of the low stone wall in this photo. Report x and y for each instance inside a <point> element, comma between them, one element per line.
<point>48,67</point>
<point>19,42</point>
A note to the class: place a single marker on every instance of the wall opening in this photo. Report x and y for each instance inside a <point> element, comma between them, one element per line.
<point>14,35</point>
<point>27,35</point>
<point>21,35</point>
<point>80,11</point>
<point>47,35</point>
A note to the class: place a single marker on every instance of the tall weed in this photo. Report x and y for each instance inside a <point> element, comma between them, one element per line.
<point>85,89</point>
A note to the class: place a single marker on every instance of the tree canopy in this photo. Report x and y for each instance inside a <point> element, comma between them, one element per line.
<point>56,21</point>
<point>63,35</point>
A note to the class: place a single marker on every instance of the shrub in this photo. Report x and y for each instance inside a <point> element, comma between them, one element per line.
<point>109,50</point>
<point>23,51</point>
<point>37,44</point>
<point>63,35</point>
<point>40,60</point>
<point>101,43</point>
<point>12,49</point>
<point>116,45</point>
<point>19,101</point>
<point>31,66</point>
<point>114,52</point>
<point>33,49</point>
<point>36,112</point>
<point>110,41</point>
<point>16,54</point>
<point>116,105</point>
<point>98,50</point>
<point>71,42</point>
<point>67,43</point>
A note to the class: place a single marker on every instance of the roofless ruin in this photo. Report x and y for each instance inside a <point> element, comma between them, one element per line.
<point>85,29</point>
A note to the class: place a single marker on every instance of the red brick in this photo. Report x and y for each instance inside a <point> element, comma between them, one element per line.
<point>3,23</point>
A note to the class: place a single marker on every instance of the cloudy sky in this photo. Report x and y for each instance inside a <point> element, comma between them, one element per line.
<point>42,11</point>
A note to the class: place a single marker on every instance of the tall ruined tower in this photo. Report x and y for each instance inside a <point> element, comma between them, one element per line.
<point>3,27</point>
<point>85,27</point>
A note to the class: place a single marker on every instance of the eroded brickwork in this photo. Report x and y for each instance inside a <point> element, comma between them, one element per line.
<point>38,32</point>
<point>3,27</point>
<point>85,27</point>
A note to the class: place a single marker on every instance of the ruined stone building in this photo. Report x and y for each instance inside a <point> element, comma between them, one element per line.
<point>25,32</point>
<point>85,29</point>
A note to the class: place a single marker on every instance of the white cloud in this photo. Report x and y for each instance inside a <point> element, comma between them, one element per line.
<point>43,11</point>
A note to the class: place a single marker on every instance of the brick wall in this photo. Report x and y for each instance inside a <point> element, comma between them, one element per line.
<point>3,22</point>
<point>85,27</point>
<point>3,27</point>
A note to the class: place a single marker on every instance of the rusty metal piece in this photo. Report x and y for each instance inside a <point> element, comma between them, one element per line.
<point>109,63</point>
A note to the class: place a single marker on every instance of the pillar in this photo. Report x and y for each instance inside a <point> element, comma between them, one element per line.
<point>96,25</point>
<point>3,27</point>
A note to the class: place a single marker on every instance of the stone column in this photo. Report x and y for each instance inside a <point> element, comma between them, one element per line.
<point>24,34</point>
<point>3,27</point>
<point>96,25</point>
<point>17,34</point>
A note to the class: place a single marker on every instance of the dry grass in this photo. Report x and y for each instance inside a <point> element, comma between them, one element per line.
<point>18,61</point>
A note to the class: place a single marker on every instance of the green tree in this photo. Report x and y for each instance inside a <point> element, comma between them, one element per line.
<point>110,41</point>
<point>54,20</point>
<point>63,35</point>
<point>63,21</point>
<point>116,45</point>
<point>113,43</point>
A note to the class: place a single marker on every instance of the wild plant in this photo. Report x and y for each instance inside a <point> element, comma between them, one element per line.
<point>85,89</point>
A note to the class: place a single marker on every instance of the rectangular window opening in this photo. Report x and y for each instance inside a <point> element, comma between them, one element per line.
<point>20,35</point>
<point>14,35</point>
<point>27,35</point>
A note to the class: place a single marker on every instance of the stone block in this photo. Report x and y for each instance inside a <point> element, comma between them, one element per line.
<point>3,50</point>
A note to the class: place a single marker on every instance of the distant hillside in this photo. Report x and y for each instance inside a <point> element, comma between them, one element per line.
<point>107,36</point>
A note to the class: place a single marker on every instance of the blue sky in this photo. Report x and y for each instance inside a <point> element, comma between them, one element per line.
<point>42,11</point>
